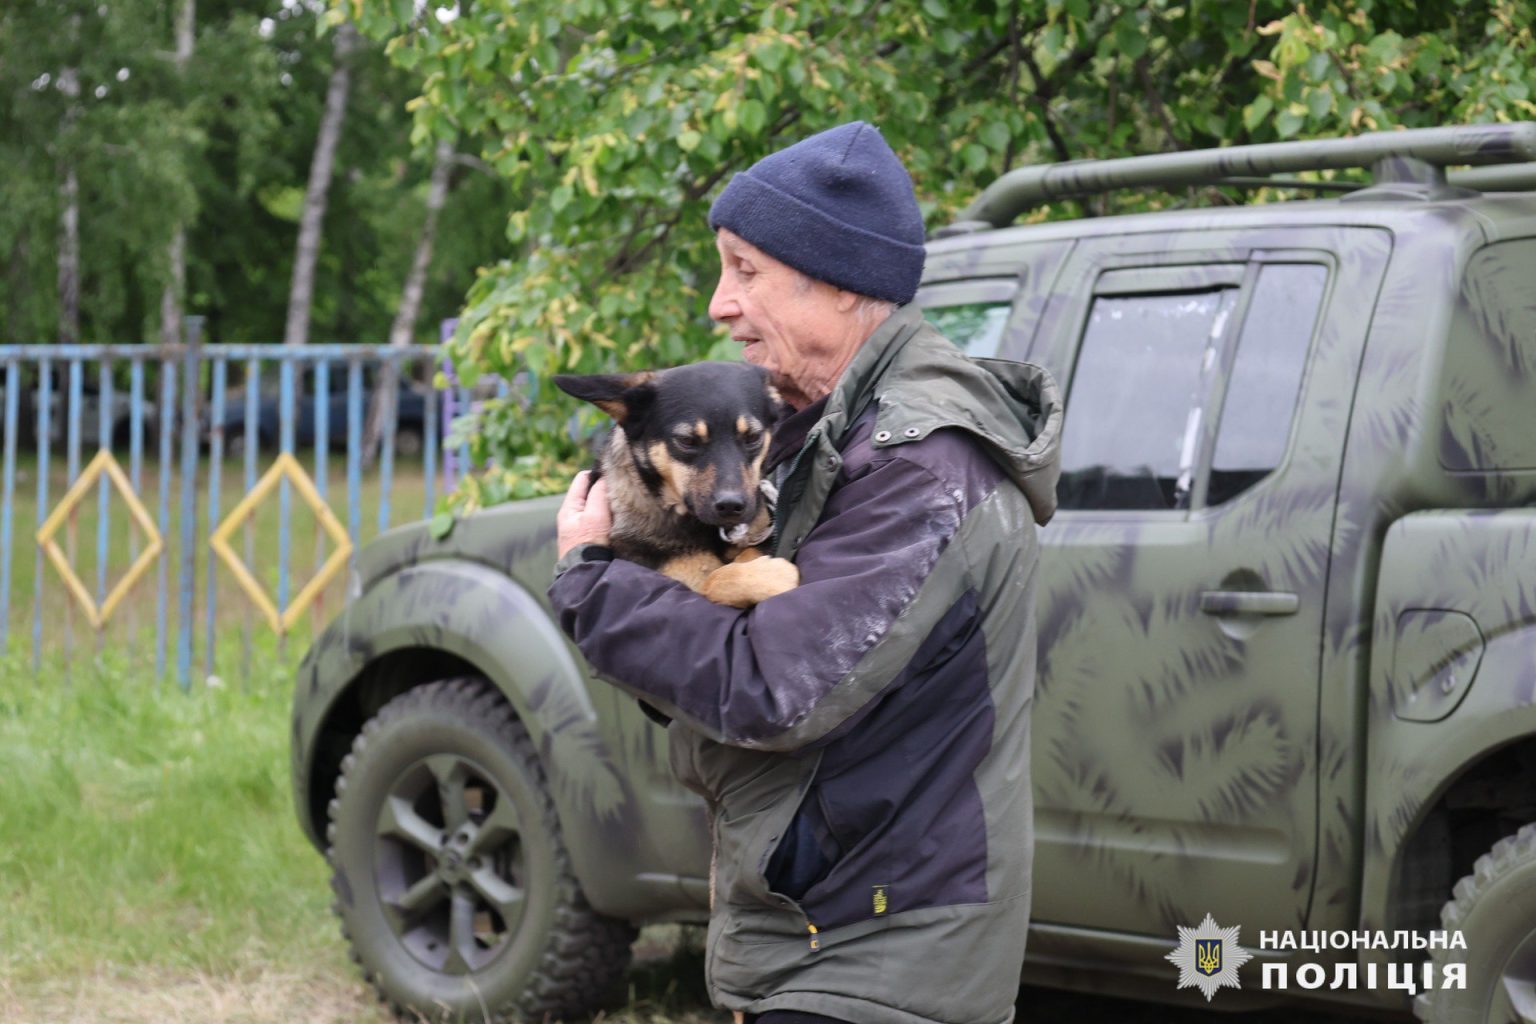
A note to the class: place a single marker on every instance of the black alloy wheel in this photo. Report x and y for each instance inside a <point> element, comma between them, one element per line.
<point>452,883</point>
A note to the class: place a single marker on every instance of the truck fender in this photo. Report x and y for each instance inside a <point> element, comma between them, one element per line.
<point>484,618</point>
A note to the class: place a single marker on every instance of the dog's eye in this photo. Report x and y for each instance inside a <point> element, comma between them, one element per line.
<point>752,441</point>
<point>687,443</point>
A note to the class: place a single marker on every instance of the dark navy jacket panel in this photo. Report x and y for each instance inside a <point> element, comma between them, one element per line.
<point>898,797</point>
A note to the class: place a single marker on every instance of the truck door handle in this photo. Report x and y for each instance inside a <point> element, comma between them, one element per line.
<point>1249,602</point>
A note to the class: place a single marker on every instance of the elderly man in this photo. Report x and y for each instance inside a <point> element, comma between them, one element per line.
<point>862,740</point>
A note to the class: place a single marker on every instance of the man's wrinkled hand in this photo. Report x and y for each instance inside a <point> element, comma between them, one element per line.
<point>584,516</point>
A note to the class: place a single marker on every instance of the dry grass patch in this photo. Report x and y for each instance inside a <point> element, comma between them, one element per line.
<point>157,996</point>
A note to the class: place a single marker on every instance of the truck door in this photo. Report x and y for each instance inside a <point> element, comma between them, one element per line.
<point>1182,583</point>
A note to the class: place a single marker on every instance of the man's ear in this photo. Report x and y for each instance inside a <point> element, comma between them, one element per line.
<point>621,395</point>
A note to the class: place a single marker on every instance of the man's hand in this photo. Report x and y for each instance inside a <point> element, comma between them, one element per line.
<point>584,516</point>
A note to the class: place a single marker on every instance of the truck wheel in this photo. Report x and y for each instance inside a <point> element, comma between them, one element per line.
<point>453,887</point>
<point>408,442</point>
<point>1495,910</point>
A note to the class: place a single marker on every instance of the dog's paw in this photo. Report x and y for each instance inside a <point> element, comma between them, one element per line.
<point>745,583</point>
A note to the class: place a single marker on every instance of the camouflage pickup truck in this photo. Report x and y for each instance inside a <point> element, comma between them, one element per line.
<point>1287,617</point>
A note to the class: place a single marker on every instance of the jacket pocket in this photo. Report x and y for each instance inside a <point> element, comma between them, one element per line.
<point>806,853</point>
<point>757,812</point>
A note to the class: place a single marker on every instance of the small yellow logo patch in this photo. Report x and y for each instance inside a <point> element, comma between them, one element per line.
<point>882,902</point>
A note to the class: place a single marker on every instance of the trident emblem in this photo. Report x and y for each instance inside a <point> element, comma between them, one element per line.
<point>1208,956</point>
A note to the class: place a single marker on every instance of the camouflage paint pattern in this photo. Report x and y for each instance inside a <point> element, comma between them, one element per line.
<point>1185,763</point>
<point>1449,427</point>
<point>1175,762</point>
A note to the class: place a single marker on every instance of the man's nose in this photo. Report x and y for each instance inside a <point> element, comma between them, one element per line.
<point>722,304</point>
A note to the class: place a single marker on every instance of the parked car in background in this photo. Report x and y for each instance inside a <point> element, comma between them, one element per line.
<point>90,414</point>
<point>266,426</point>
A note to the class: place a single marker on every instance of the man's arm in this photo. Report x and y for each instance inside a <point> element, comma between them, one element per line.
<point>762,677</point>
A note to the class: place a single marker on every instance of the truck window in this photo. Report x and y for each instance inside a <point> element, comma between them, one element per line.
<point>1489,397</point>
<point>1132,427</point>
<point>976,328</point>
<point>1266,377</point>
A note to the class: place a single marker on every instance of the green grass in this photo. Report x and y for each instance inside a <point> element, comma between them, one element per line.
<point>150,860</point>
<point>144,826</point>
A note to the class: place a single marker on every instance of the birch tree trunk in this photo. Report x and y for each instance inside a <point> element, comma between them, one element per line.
<point>381,409</point>
<point>301,292</point>
<point>69,225</point>
<point>176,287</point>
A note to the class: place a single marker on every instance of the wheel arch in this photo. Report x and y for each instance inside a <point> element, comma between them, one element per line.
<point>1489,798</point>
<point>376,684</point>
<point>449,617</point>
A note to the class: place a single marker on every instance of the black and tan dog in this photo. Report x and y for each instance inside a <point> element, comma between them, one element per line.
<point>684,470</point>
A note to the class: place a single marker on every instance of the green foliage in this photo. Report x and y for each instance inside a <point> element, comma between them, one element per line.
<point>83,87</point>
<point>1366,67</point>
<point>224,148</point>
<point>620,120</point>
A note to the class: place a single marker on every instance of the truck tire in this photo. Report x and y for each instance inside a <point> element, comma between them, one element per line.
<point>1495,910</point>
<point>453,887</point>
<point>408,442</point>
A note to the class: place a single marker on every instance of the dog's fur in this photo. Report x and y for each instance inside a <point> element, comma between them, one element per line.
<point>684,469</point>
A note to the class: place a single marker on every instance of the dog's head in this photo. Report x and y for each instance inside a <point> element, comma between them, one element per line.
<point>698,434</point>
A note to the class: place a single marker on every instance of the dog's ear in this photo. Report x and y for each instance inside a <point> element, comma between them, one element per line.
<point>621,395</point>
<point>777,407</point>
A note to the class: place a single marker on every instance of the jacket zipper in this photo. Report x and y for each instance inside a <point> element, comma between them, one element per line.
<point>778,523</point>
<point>793,904</point>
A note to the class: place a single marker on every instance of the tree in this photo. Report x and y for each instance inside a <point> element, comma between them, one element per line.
<point>96,149</point>
<point>382,409</point>
<point>212,130</point>
<point>300,295</point>
<point>621,121</point>
<point>175,289</point>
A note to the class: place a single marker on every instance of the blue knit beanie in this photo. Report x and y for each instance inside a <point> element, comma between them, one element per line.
<point>838,206</point>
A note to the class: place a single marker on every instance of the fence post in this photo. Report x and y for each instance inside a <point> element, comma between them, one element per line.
<point>451,467</point>
<point>191,384</point>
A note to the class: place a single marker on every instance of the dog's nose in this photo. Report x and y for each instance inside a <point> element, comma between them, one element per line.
<point>729,505</point>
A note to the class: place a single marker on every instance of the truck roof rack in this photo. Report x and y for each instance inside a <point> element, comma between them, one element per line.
<point>1402,163</point>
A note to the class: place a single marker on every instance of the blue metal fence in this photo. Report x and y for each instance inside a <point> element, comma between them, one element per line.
<point>202,416</point>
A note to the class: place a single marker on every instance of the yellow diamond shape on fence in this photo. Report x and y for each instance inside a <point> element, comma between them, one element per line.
<point>102,463</point>
<point>285,466</point>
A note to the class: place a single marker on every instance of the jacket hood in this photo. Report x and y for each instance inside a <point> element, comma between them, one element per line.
<point>927,384</point>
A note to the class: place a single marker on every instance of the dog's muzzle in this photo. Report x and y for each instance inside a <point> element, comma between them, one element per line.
<point>742,535</point>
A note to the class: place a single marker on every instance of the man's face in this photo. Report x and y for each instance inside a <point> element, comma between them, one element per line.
<point>802,335</point>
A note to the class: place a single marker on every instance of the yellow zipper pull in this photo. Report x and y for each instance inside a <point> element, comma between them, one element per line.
<point>815,942</point>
